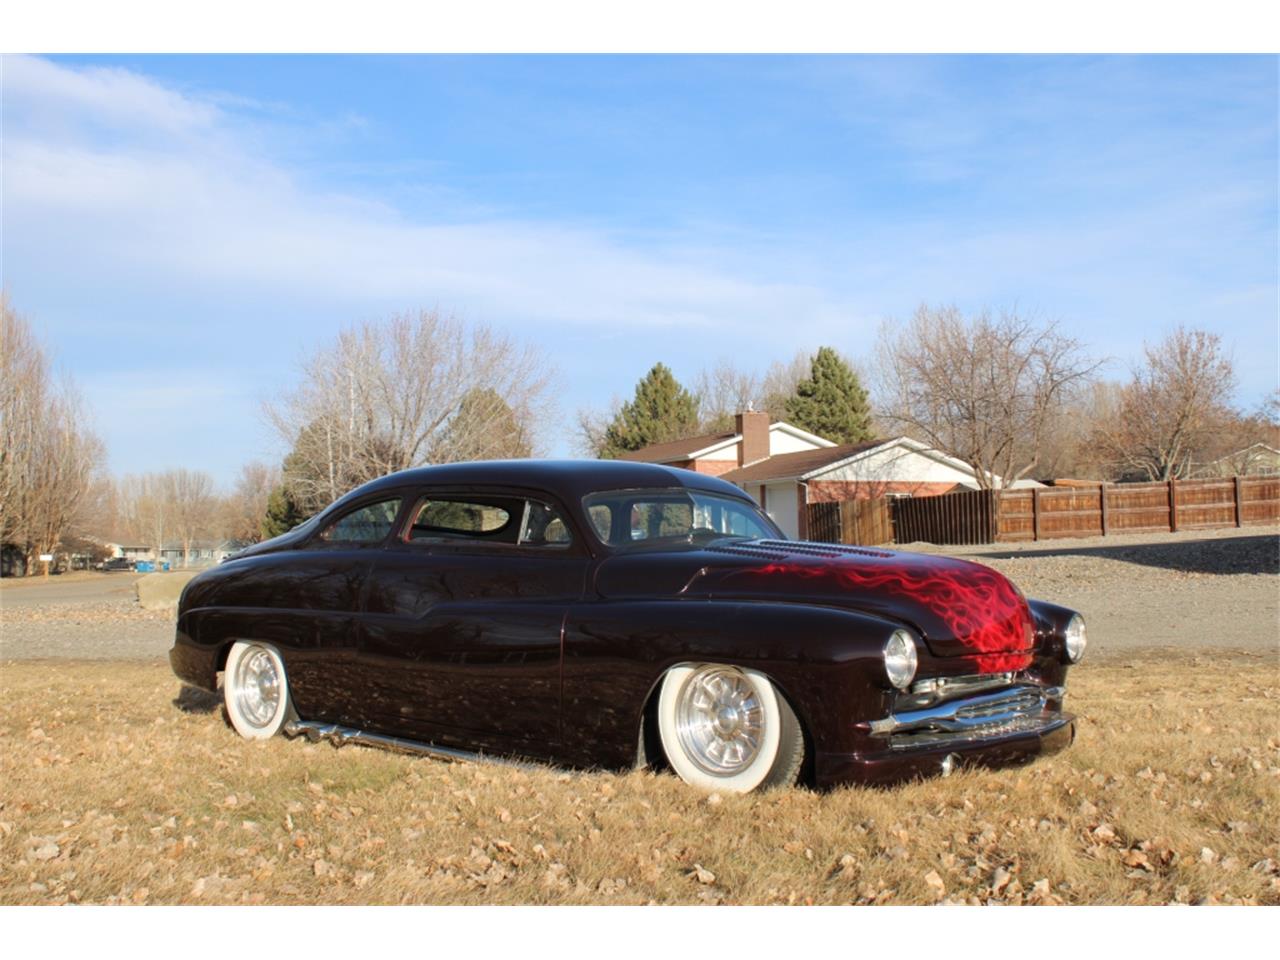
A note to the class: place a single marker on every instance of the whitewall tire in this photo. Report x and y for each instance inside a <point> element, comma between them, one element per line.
<point>727,728</point>
<point>256,690</point>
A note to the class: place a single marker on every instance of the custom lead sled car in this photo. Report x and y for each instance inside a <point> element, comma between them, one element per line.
<point>609,613</point>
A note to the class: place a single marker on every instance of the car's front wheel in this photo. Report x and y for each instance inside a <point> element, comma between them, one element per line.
<point>256,690</point>
<point>728,728</point>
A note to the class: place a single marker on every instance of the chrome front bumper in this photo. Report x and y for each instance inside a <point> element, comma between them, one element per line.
<point>1021,708</point>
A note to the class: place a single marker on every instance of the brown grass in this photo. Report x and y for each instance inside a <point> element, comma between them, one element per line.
<point>110,793</point>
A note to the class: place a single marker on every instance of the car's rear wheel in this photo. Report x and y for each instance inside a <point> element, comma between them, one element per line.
<point>255,690</point>
<point>728,728</point>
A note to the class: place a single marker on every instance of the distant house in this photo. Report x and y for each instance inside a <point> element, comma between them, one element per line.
<point>785,468</point>
<point>753,438</point>
<point>133,552</point>
<point>1255,460</point>
<point>203,553</point>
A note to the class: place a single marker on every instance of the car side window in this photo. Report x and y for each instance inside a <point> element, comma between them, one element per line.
<point>448,519</point>
<point>509,521</point>
<point>369,524</point>
<point>543,527</point>
<point>601,516</point>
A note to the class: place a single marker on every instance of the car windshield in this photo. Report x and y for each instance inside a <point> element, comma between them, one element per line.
<point>670,519</point>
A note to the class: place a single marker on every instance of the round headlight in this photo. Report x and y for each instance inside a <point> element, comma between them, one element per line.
<point>900,659</point>
<point>1076,640</point>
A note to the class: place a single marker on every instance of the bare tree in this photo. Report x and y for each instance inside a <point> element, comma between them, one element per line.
<point>146,510</point>
<point>592,427</point>
<point>381,397</point>
<point>986,389</point>
<point>1175,411</point>
<point>48,458</point>
<point>192,506</point>
<point>779,382</point>
<point>247,504</point>
<point>723,391</point>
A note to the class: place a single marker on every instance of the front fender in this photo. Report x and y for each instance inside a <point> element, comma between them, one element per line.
<point>826,661</point>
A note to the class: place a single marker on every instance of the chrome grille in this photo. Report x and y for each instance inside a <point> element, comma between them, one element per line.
<point>1014,709</point>
<point>1019,701</point>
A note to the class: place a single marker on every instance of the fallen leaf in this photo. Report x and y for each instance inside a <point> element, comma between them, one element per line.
<point>935,884</point>
<point>999,880</point>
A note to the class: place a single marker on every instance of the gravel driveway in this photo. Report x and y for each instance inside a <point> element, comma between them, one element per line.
<point>83,616</point>
<point>1218,589</point>
<point>1213,589</point>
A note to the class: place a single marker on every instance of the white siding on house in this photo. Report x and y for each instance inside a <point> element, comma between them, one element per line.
<point>896,463</point>
<point>782,506</point>
<point>780,441</point>
<point>729,452</point>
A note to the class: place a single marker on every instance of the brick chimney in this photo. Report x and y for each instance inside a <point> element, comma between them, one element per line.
<point>753,427</point>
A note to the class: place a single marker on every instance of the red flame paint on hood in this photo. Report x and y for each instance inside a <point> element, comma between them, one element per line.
<point>983,610</point>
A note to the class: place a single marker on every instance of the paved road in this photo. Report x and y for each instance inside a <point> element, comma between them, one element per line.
<point>81,587</point>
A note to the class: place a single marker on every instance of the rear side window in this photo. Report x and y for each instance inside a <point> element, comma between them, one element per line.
<point>458,518</point>
<point>369,524</point>
<point>503,520</point>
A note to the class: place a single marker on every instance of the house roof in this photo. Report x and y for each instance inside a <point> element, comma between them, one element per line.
<point>799,464</point>
<point>682,449</point>
<point>690,448</point>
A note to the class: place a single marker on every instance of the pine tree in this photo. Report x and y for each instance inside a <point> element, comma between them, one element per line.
<point>831,402</point>
<point>283,513</point>
<point>484,428</point>
<point>662,410</point>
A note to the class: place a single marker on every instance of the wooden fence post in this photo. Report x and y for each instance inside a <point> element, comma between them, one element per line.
<point>1239,501</point>
<point>1102,503</point>
<point>1173,505</point>
<point>1035,514</point>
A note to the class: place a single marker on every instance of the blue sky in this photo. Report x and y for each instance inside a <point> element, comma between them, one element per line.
<point>181,229</point>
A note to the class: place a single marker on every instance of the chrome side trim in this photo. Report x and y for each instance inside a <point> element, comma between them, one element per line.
<point>341,736</point>
<point>970,714</point>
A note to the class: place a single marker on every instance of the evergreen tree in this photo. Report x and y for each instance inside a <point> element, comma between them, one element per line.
<point>484,428</point>
<point>662,410</point>
<point>283,513</point>
<point>831,402</point>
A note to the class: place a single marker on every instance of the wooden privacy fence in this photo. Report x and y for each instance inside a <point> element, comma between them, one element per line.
<point>864,522</point>
<point>968,516</point>
<point>1169,506</point>
<point>988,516</point>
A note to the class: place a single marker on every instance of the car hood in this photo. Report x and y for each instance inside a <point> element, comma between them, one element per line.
<point>959,608</point>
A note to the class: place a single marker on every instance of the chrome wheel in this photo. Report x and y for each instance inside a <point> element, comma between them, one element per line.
<point>720,720</point>
<point>257,687</point>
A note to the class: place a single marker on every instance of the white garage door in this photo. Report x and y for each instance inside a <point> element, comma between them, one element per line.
<point>781,504</point>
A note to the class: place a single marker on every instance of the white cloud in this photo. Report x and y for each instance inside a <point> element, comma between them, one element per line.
<point>174,190</point>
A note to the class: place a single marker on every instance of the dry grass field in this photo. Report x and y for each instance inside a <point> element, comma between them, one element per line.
<point>116,790</point>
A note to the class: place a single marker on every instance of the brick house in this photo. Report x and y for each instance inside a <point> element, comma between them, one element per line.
<point>785,468</point>
<point>753,439</point>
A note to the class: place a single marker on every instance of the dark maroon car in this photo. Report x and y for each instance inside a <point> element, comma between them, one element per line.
<point>611,613</point>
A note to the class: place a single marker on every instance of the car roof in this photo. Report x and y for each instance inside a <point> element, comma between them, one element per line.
<point>570,479</point>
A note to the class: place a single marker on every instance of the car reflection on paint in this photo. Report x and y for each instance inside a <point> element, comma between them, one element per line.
<point>612,613</point>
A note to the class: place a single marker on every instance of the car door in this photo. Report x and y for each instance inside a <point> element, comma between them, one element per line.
<point>308,602</point>
<point>463,620</point>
